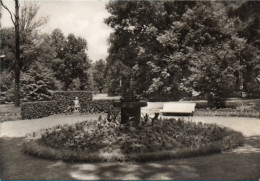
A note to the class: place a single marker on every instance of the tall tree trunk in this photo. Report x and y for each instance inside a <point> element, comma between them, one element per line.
<point>17,56</point>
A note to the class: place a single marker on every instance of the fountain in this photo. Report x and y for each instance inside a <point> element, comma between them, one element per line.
<point>130,106</point>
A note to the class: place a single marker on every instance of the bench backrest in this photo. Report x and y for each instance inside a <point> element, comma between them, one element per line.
<point>178,107</point>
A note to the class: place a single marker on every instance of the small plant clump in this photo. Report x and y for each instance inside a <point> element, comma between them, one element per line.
<point>169,134</point>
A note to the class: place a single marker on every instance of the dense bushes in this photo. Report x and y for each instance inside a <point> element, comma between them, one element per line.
<point>168,135</point>
<point>65,99</point>
<point>99,106</point>
<point>173,138</point>
<point>33,110</point>
<point>62,101</point>
<point>228,112</point>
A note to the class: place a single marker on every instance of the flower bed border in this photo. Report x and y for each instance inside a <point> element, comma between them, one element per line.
<point>35,148</point>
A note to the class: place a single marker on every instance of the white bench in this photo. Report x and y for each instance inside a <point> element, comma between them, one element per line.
<point>177,109</point>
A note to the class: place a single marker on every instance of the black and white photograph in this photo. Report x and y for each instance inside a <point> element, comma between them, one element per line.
<point>130,90</point>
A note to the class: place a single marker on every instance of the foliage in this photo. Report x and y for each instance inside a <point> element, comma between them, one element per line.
<point>44,72</point>
<point>7,86</point>
<point>135,44</point>
<point>65,99</point>
<point>168,135</point>
<point>84,142</point>
<point>71,61</point>
<point>228,112</point>
<point>29,38</point>
<point>37,82</point>
<point>99,106</point>
<point>99,75</point>
<point>7,48</point>
<point>48,62</point>
<point>247,19</point>
<point>113,77</point>
<point>62,102</point>
<point>34,110</point>
<point>172,52</point>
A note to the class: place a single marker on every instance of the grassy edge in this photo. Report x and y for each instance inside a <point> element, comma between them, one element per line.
<point>34,148</point>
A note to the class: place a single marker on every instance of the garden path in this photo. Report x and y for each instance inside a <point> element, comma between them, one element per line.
<point>241,163</point>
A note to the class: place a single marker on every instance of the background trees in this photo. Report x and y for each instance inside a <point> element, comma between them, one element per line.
<point>48,62</point>
<point>174,49</point>
<point>166,50</point>
<point>15,20</point>
<point>99,75</point>
<point>71,63</point>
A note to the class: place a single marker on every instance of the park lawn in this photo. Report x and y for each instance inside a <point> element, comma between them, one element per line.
<point>9,108</point>
<point>8,112</point>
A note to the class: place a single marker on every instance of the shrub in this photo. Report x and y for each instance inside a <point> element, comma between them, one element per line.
<point>96,141</point>
<point>34,110</point>
<point>170,134</point>
<point>227,112</point>
<point>62,101</point>
<point>99,106</point>
<point>65,99</point>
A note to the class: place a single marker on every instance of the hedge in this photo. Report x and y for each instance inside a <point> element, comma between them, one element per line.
<point>65,99</point>
<point>227,112</point>
<point>40,109</point>
<point>62,100</point>
<point>99,106</point>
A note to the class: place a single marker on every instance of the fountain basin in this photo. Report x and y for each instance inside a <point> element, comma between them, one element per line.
<point>130,109</point>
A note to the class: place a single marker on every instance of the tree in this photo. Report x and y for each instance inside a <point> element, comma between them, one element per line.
<point>25,27</point>
<point>8,49</point>
<point>71,62</point>
<point>135,44</point>
<point>165,50</point>
<point>37,83</point>
<point>222,64</point>
<point>7,86</point>
<point>246,15</point>
<point>15,21</point>
<point>99,75</point>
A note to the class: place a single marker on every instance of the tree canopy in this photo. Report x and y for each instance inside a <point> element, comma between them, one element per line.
<point>172,49</point>
<point>48,61</point>
<point>99,75</point>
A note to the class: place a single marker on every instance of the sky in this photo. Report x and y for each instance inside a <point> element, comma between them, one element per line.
<point>84,18</point>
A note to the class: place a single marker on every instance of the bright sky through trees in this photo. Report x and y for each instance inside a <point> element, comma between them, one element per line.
<point>83,18</point>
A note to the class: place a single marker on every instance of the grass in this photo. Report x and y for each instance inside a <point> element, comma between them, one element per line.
<point>10,117</point>
<point>9,108</point>
<point>8,112</point>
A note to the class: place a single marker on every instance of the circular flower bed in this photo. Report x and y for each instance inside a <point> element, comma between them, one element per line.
<point>103,141</point>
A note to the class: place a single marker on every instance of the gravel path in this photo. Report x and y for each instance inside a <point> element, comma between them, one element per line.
<point>248,126</point>
<point>21,127</point>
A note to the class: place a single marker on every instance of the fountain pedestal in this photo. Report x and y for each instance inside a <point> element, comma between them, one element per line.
<point>130,109</point>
